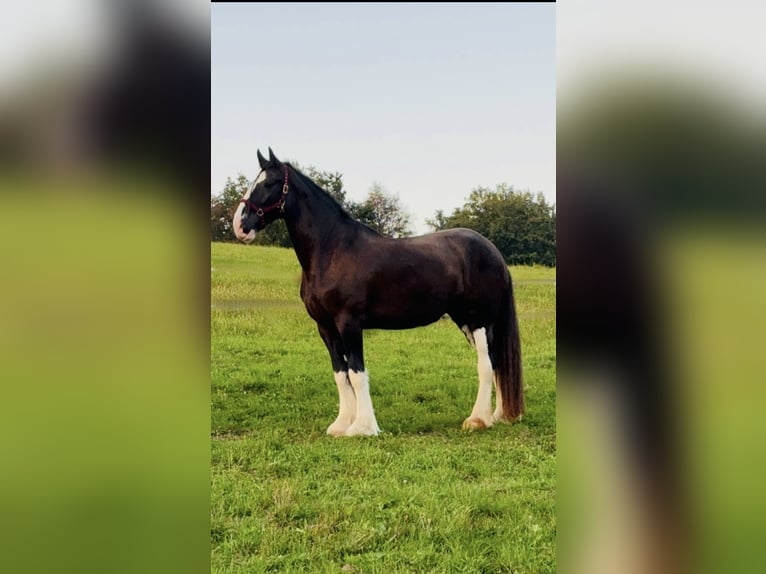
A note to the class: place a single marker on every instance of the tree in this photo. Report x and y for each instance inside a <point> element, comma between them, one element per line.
<point>382,212</point>
<point>438,222</point>
<point>521,225</point>
<point>331,182</point>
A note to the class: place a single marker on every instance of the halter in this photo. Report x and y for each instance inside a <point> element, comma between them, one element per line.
<point>280,204</point>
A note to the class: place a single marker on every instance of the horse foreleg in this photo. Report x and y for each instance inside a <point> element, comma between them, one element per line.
<point>347,409</point>
<point>346,396</point>
<point>481,415</point>
<point>364,422</point>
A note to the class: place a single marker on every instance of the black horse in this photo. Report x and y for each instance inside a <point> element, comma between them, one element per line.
<point>355,279</point>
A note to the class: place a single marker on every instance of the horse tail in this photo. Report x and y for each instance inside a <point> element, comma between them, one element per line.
<point>506,349</point>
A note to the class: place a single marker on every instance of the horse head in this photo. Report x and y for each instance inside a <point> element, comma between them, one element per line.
<point>264,201</point>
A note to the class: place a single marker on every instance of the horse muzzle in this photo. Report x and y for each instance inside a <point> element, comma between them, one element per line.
<point>238,225</point>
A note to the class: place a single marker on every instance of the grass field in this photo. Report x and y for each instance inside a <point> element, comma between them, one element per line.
<point>424,496</point>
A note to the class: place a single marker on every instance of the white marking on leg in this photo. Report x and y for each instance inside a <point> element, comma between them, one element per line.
<point>365,423</point>
<point>481,415</point>
<point>347,408</point>
<point>468,335</point>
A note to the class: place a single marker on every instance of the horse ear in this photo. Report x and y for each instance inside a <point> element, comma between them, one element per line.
<point>262,160</point>
<point>272,158</point>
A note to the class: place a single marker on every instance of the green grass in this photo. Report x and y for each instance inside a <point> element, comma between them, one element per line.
<point>424,496</point>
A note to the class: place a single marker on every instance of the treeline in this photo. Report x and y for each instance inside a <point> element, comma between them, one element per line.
<point>520,224</point>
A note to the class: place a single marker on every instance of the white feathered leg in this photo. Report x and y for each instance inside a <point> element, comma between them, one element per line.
<point>364,423</point>
<point>481,415</point>
<point>347,409</point>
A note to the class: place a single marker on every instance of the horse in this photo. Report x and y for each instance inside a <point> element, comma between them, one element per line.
<point>355,279</point>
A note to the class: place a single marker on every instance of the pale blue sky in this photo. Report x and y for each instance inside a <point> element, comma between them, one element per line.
<point>428,100</point>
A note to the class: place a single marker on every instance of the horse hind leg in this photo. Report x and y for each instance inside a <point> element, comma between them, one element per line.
<point>481,415</point>
<point>498,415</point>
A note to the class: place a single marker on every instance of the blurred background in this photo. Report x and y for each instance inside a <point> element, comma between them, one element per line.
<point>104,368</point>
<point>104,148</point>
<point>661,177</point>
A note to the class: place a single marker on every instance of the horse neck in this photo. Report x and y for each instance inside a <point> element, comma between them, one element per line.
<point>315,226</point>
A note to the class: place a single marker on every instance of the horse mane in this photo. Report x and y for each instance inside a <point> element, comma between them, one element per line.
<point>328,199</point>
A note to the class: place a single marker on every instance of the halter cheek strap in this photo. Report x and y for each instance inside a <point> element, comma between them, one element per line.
<point>280,204</point>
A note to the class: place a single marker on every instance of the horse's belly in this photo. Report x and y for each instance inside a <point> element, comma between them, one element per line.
<point>411,299</point>
<point>400,315</point>
<point>407,322</point>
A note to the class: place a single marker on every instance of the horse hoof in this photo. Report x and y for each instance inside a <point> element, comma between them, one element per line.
<point>501,418</point>
<point>338,429</point>
<point>362,430</point>
<point>475,423</point>
<point>332,430</point>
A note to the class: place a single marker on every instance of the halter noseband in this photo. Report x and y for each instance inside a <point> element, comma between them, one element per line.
<point>261,211</point>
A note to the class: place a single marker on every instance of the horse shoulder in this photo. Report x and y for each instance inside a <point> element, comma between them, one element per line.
<point>310,299</point>
<point>321,296</point>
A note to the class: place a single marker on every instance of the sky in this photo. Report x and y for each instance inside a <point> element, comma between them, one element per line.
<point>711,40</point>
<point>430,101</point>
